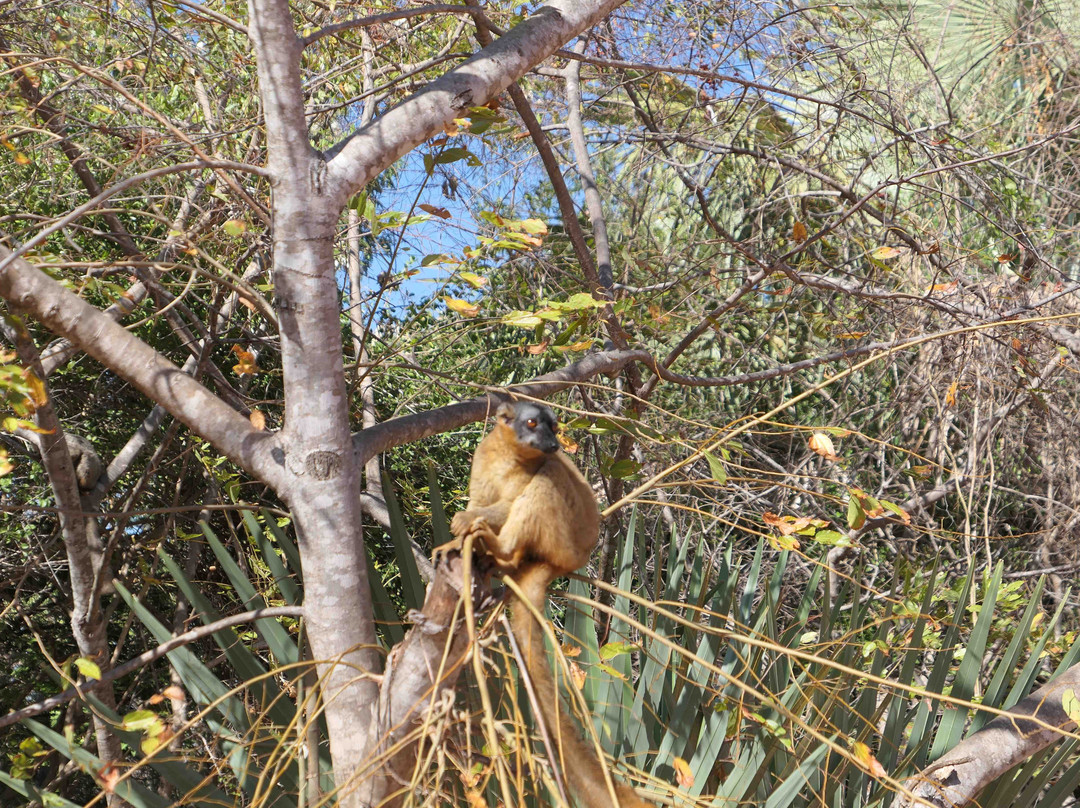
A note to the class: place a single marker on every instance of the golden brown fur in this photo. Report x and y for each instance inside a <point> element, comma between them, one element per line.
<point>532,510</point>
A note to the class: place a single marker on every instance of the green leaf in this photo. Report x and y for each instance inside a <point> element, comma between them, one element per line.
<point>611,650</point>
<point>610,671</point>
<point>522,319</point>
<point>716,468</point>
<point>454,154</point>
<point>1070,703</point>
<point>88,668</point>
<point>623,469</point>
<point>833,538</point>
<point>140,720</point>
<point>434,258</point>
<point>856,516</point>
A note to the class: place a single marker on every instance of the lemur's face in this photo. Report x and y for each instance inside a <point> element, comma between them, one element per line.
<point>534,425</point>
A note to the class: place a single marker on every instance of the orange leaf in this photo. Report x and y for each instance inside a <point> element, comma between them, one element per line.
<point>246,365</point>
<point>258,420</point>
<point>174,692</point>
<point>109,776</point>
<point>798,232</point>
<point>568,444</point>
<point>867,760</point>
<point>577,675</point>
<point>786,525</point>
<point>537,349</point>
<point>950,396</point>
<point>38,396</point>
<point>822,444</point>
<point>571,651</point>
<point>442,213</point>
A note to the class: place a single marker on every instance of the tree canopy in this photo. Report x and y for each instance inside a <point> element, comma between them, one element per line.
<point>800,283</point>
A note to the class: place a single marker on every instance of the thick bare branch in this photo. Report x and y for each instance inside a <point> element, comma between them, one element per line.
<point>356,161</point>
<point>63,313</point>
<point>409,428</point>
<point>956,778</point>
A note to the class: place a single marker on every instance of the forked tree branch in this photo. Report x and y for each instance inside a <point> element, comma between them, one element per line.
<point>62,312</point>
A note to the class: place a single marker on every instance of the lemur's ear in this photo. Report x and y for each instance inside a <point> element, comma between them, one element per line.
<point>506,412</point>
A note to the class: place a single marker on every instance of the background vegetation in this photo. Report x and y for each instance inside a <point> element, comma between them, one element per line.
<point>839,473</point>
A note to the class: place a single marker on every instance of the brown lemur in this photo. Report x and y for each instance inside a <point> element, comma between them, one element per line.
<point>531,509</point>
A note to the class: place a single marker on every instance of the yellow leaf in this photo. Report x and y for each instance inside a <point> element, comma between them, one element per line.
<point>884,253</point>
<point>867,760</point>
<point>822,444</point>
<point>152,744</point>
<point>462,307</point>
<point>568,444</point>
<point>851,335</point>
<point>537,227</point>
<point>174,692</point>
<point>474,280</point>
<point>6,466</point>
<point>246,365</point>
<point>784,542</point>
<point>571,651</point>
<point>950,396</point>
<point>798,232</point>
<point>683,776</point>
<point>22,159</point>
<point>38,396</point>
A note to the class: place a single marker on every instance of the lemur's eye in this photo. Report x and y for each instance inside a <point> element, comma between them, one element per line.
<point>531,423</point>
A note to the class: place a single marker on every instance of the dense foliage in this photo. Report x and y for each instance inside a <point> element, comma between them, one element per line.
<point>843,235</point>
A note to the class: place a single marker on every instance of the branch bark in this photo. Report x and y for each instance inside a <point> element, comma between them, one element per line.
<point>63,313</point>
<point>357,160</point>
<point>956,778</point>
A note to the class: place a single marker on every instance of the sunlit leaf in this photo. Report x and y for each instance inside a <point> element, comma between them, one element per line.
<point>462,307</point>
<point>683,776</point>
<point>245,365</point>
<point>474,280</point>
<point>88,668</point>
<point>822,444</point>
<point>884,253</point>
<point>442,213</point>
<point>716,468</point>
